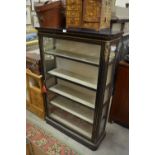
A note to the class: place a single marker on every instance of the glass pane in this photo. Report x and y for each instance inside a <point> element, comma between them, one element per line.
<point>112,53</point>
<point>106,95</point>
<point>102,125</point>
<point>50,95</point>
<point>126,28</point>
<point>71,121</point>
<point>104,111</point>
<point>49,62</point>
<point>109,74</point>
<point>50,81</point>
<point>84,52</point>
<point>48,44</point>
<point>71,79</point>
<point>69,60</point>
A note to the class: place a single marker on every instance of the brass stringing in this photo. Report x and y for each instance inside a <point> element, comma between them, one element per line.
<point>106,53</point>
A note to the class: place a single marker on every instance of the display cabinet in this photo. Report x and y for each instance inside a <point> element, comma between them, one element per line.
<point>79,81</point>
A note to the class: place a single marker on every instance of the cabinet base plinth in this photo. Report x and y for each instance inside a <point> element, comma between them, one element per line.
<point>75,136</point>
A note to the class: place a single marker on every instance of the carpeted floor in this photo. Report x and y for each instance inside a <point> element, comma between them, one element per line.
<point>116,141</point>
<point>46,142</point>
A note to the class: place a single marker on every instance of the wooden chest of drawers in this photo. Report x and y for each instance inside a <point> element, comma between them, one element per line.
<point>90,14</point>
<point>91,10</point>
<point>73,13</point>
<point>96,14</point>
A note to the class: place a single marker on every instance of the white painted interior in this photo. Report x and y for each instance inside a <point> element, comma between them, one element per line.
<point>73,122</point>
<point>76,56</point>
<point>77,93</point>
<point>79,47</point>
<point>82,69</point>
<point>74,77</point>
<point>74,108</point>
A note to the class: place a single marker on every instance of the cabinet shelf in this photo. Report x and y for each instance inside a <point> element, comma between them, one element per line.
<point>72,122</point>
<point>74,77</point>
<point>83,98</point>
<point>75,56</point>
<point>74,108</point>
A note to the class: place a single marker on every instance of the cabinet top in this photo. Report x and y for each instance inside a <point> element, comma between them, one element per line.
<point>101,35</point>
<point>118,20</point>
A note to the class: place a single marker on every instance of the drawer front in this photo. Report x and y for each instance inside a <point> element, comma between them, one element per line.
<point>88,25</point>
<point>73,2</point>
<point>74,8</point>
<point>91,10</point>
<point>73,22</point>
<point>71,14</point>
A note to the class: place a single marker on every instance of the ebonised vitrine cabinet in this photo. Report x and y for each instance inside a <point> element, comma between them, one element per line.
<point>79,81</point>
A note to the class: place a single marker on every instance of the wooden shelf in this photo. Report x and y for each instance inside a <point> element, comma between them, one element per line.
<point>72,122</point>
<point>75,56</point>
<point>79,79</point>
<point>74,108</point>
<point>83,98</point>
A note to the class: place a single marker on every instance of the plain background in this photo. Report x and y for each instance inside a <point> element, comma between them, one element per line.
<point>13,80</point>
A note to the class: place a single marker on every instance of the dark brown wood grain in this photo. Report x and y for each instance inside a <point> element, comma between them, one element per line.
<point>50,14</point>
<point>120,104</point>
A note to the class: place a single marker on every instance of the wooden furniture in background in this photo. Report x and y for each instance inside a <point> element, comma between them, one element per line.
<point>50,14</point>
<point>73,13</point>
<point>90,14</point>
<point>28,148</point>
<point>34,99</point>
<point>80,81</point>
<point>97,14</point>
<point>119,112</point>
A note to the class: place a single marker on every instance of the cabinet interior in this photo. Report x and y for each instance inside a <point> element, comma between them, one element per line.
<point>71,70</point>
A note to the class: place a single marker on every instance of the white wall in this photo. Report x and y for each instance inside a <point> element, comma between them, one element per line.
<point>121,2</point>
